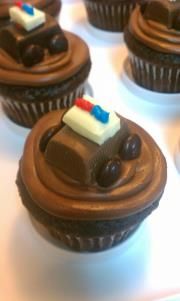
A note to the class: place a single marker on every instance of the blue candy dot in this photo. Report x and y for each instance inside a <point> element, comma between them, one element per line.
<point>96,112</point>
<point>28,9</point>
<point>104,116</point>
<point>100,114</point>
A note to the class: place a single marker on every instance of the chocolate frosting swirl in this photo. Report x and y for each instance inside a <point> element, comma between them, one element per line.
<point>154,34</point>
<point>141,183</point>
<point>54,69</point>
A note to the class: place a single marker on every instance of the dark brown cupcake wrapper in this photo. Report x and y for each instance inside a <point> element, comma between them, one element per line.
<point>110,17</point>
<point>155,77</point>
<point>86,244</point>
<point>81,235</point>
<point>27,113</point>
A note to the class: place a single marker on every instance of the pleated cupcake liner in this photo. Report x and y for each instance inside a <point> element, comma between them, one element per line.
<point>110,17</point>
<point>28,113</point>
<point>158,78</point>
<point>93,243</point>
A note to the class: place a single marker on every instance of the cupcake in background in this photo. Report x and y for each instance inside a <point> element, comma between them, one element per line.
<point>153,40</point>
<point>51,7</point>
<point>109,15</point>
<point>89,176</point>
<point>42,68</point>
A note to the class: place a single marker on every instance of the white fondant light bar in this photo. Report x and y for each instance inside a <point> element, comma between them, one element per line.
<point>85,124</point>
<point>27,21</point>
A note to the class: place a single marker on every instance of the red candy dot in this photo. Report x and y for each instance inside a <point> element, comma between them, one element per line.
<point>88,106</point>
<point>19,4</point>
<point>84,104</point>
<point>79,102</point>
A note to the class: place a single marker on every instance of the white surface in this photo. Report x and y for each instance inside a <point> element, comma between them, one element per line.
<point>147,266</point>
<point>108,36</point>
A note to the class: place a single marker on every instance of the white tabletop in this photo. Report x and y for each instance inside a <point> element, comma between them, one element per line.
<point>146,266</point>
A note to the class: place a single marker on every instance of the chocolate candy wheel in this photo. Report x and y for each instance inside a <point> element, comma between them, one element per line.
<point>131,147</point>
<point>58,43</point>
<point>109,173</point>
<point>32,55</point>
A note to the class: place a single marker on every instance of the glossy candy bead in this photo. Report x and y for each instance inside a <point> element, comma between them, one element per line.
<point>100,114</point>
<point>28,9</point>
<point>19,4</point>
<point>58,44</point>
<point>109,173</point>
<point>47,136</point>
<point>79,102</point>
<point>96,112</point>
<point>131,147</point>
<point>83,104</point>
<point>88,106</point>
<point>32,55</point>
<point>104,116</point>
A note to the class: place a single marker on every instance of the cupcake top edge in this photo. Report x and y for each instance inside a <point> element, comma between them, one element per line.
<point>74,171</point>
<point>156,24</point>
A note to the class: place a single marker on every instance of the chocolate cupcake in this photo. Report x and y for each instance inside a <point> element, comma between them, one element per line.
<point>89,176</point>
<point>51,7</point>
<point>153,40</point>
<point>109,15</point>
<point>42,68</point>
